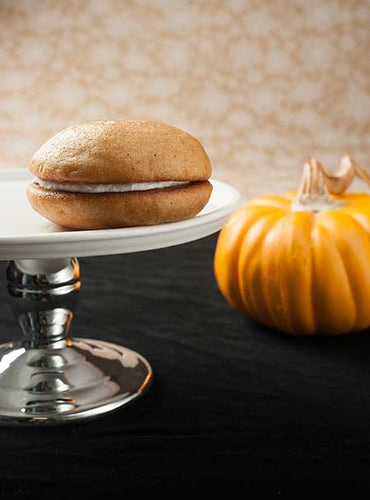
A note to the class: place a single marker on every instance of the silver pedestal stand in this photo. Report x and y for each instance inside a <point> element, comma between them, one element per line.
<point>49,377</point>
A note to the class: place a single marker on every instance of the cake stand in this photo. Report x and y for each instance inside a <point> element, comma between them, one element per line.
<point>47,376</point>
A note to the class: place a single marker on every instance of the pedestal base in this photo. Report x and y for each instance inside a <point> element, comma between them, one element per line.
<point>68,380</point>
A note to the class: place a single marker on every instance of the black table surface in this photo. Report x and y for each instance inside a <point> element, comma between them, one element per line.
<point>232,403</point>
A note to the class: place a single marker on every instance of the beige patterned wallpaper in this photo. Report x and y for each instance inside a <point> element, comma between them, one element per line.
<point>263,84</point>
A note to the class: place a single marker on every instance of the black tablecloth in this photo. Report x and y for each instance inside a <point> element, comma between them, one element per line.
<point>232,402</point>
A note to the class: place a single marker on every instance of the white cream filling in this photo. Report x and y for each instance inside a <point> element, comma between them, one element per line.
<point>92,187</point>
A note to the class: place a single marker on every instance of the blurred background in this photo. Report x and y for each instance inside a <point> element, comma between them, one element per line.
<point>263,84</point>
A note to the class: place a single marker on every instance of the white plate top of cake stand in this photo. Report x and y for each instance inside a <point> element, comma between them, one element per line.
<point>26,235</point>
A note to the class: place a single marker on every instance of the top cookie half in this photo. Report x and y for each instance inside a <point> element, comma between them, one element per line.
<point>121,151</point>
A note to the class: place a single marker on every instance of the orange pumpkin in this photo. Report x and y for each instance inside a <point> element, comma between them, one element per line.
<point>301,263</point>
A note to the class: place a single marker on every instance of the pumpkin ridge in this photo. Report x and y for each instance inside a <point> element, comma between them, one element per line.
<point>332,304</point>
<point>360,214</point>
<point>287,273</point>
<point>351,264</point>
<point>227,251</point>
<point>299,272</point>
<point>250,272</point>
<point>271,282</point>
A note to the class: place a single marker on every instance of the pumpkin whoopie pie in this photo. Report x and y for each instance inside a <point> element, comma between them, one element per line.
<point>110,174</point>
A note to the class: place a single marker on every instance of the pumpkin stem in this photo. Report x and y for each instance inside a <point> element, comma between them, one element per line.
<point>338,182</point>
<point>313,193</point>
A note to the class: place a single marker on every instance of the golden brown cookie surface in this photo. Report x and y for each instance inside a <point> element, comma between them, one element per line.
<point>121,151</point>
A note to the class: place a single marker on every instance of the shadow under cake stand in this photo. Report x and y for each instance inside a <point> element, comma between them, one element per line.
<point>49,377</point>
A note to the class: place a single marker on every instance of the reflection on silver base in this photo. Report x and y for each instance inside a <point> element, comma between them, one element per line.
<point>49,377</point>
<point>68,380</point>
